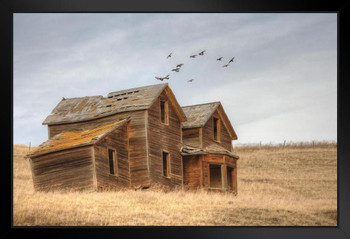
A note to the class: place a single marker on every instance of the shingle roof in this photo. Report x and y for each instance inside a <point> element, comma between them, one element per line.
<point>198,115</point>
<point>76,138</point>
<point>92,107</point>
<point>211,149</point>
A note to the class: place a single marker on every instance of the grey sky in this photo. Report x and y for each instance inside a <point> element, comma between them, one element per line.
<point>282,85</point>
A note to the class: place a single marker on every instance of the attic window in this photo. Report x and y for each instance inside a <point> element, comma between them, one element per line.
<point>164,118</point>
<point>216,128</point>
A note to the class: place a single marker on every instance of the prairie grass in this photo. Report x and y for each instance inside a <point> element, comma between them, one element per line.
<point>290,186</point>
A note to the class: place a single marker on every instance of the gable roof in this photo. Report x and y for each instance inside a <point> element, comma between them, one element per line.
<point>77,138</point>
<point>198,115</point>
<point>73,110</point>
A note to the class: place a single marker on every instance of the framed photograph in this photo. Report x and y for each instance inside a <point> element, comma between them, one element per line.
<point>212,119</point>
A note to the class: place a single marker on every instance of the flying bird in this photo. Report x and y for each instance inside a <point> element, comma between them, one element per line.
<point>225,65</point>
<point>219,59</point>
<point>231,60</point>
<point>190,80</point>
<point>193,56</point>
<point>179,65</point>
<point>176,69</point>
<point>169,55</point>
<point>166,77</point>
<point>159,78</point>
<point>201,53</point>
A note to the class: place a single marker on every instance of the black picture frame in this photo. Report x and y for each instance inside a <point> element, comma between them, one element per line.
<point>342,8</point>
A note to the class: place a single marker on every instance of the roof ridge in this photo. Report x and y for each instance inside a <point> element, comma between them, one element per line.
<point>136,88</point>
<point>202,104</point>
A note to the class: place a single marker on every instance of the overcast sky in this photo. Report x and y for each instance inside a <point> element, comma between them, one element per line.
<point>281,86</point>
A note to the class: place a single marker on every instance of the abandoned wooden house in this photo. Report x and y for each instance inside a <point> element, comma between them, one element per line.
<point>136,138</point>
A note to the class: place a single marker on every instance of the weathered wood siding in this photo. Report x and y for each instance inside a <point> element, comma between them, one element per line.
<point>192,172</point>
<point>118,141</point>
<point>68,169</point>
<point>164,137</point>
<point>208,133</point>
<point>137,142</point>
<point>191,137</point>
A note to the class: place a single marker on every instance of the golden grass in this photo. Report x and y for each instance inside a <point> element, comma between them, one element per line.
<point>294,186</point>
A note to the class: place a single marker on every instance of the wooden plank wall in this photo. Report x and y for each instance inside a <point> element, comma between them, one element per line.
<point>192,172</point>
<point>137,142</point>
<point>117,140</point>
<point>164,137</point>
<point>68,169</point>
<point>191,137</point>
<point>208,133</point>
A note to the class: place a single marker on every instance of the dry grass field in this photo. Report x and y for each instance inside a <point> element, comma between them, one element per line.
<point>290,186</point>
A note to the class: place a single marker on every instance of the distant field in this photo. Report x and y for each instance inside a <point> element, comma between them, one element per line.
<point>295,185</point>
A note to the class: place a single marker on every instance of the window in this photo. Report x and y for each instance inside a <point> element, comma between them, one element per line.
<point>164,111</point>
<point>112,158</point>
<point>215,176</point>
<point>216,127</point>
<point>230,178</point>
<point>166,164</point>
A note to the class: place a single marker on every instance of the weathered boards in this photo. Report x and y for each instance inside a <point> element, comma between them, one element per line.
<point>135,138</point>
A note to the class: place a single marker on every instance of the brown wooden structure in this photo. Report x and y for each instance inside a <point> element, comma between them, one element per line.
<point>135,138</point>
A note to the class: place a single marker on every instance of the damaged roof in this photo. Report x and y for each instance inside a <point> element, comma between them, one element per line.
<point>92,107</point>
<point>211,149</point>
<point>76,138</point>
<point>198,115</point>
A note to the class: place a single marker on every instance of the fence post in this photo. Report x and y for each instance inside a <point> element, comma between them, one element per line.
<point>284,144</point>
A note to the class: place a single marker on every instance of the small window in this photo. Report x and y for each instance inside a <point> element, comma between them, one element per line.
<point>216,126</point>
<point>166,164</point>
<point>112,158</point>
<point>164,112</point>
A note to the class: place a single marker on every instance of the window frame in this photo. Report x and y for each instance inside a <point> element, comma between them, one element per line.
<point>217,126</point>
<point>167,164</point>
<point>166,111</point>
<point>114,161</point>
<point>221,174</point>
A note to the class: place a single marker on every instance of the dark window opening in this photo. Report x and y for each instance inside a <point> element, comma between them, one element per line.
<point>166,164</point>
<point>230,178</point>
<point>216,125</point>
<point>164,112</point>
<point>112,158</point>
<point>215,176</point>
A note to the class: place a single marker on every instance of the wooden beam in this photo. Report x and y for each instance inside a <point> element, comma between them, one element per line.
<point>94,178</point>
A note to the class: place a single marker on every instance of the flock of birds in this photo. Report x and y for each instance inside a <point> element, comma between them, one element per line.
<point>178,67</point>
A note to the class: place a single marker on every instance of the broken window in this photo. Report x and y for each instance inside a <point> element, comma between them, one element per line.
<point>166,164</point>
<point>230,178</point>
<point>112,158</point>
<point>215,176</point>
<point>164,111</point>
<point>216,126</point>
